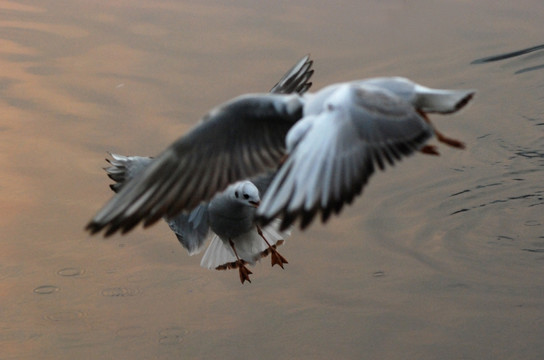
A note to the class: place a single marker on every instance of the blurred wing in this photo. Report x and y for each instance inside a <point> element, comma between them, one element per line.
<point>239,139</point>
<point>191,229</point>
<point>263,181</point>
<point>124,168</point>
<point>360,128</point>
<point>296,80</point>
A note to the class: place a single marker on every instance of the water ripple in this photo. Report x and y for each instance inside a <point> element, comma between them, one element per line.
<point>511,55</point>
<point>120,292</point>
<point>71,271</point>
<point>171,336</point>
<point>46,289</point>
<point>507,55</point>
<point>65,316</point>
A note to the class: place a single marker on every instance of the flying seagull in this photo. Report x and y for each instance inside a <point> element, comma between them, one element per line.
<point>327,144</point>
<point>228,219</point>
<point>347,131</point>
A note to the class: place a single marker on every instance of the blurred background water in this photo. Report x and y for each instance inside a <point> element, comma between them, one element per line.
<point>441,258</point>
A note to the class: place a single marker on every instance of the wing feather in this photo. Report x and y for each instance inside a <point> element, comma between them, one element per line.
<point>296,79</point>
<point>360,127</point>
<point>178,179</point>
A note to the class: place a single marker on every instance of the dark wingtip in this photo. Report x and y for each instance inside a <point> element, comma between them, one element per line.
<point>287,221</point>
<point>112,229</point>
<point>464,101</point>
<point>93,228</point>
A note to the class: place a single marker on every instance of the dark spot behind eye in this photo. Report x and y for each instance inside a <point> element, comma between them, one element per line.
<point>236,194</point>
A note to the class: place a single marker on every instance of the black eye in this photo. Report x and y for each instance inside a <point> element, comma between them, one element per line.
<point>236,194</point>
<point>246,196</point>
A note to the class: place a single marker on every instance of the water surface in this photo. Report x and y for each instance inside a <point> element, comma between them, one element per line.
<point>440,257</point>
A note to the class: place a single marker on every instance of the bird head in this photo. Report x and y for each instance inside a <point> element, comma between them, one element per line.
<point>245,192</point>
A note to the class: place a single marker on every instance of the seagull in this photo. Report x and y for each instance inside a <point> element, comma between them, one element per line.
<point>326,145</point>
<point>348,130</point>
<point>228,218</point>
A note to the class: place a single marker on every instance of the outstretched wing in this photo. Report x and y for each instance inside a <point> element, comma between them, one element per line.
<point>190,229</point>
<point>262,147</point>
<point>296,80</point>
<point>360,128</point>
<point>124,168</point>
<point>236,140</point>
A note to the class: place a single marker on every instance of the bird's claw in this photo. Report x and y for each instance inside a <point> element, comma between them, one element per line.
<point>244,272</point>
<point>430,150</point>
<point>277,259</point>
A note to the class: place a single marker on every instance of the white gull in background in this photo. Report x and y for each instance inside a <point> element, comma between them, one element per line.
<point>348,130</point>
<point>228,219</point>
<point>328,144</point>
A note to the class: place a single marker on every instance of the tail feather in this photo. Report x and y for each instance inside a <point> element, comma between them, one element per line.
<point>250,247</point>
<point>218,254</point>
<point>441,101</point>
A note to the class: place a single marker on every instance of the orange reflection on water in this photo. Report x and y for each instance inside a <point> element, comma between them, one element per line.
<point>395,276</point>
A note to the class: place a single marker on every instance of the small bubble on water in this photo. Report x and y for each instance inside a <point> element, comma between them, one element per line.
<point>62,316</point>
<point>71,271</point>
<point>46,289</point>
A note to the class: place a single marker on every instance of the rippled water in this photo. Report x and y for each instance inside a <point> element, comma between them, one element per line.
<point>441,258</point>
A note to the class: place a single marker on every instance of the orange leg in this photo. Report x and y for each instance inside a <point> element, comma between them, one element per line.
<point>430,150</point>
<point>275,256</point>
<point>449,141</point>
<point>440,137</point>
<point>242,269</point>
